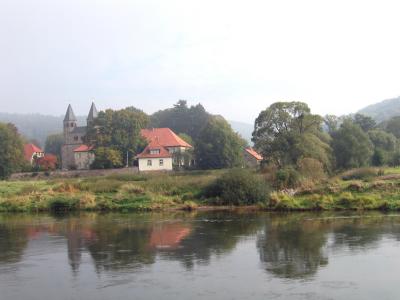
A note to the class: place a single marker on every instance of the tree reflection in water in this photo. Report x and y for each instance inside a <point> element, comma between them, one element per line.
<point>292,246</point>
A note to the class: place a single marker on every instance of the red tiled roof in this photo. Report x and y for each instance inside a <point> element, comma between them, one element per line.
<point>29,150</point>
<point>165,136</point>
<point>254,153</point>
<point>83,148</point>
<point>154,145</point>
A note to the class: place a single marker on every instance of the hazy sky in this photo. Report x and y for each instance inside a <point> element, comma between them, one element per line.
<point>235,57</point>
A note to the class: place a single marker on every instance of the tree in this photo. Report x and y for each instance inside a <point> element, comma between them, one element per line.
<point>53,144</point>
<point>119,130</point>
<point>383,140</point>
<point>351,146</point>
<point>365,122</point>
<point>286,132</point>
<point>385,144</point>
<point>11,154</point>
<point>181,118</point>
<point>393,126</point>
<point>107,158</point>
<point>331,122</point>
<point>218,146</point>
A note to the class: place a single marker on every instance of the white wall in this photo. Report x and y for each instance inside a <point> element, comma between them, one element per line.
<point>155,164</point>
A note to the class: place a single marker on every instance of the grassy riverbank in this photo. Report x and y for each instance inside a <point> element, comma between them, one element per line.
<point>362,189</point>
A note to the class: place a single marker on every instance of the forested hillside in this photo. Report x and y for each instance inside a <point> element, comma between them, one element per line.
<point>35,126</point>
<point>382,111</point>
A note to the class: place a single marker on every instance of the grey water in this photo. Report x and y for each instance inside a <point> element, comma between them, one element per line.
<point>200,255</point>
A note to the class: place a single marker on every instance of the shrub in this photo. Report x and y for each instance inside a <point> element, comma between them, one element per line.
<point>361,173</point>
<point>287,178</point>
<point>87,201</point>
<point>238,187</point>
<point>63,204</point>
<point>311,168</point>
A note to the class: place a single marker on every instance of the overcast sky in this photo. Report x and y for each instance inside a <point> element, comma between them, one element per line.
<point>235,57</point>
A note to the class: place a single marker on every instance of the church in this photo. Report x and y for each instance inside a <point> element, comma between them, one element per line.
<point>162,153</point>
<point>75,154</point>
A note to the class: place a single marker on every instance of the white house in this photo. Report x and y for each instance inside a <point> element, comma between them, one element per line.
<point>159,153</point>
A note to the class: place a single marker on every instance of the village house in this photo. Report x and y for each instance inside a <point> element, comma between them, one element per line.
<point>252,158</point>
<point>32,152</point>
<point>163,150</point>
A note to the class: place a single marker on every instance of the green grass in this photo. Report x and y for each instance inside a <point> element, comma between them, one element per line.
<point>111,193</point>
<point>380,191</point>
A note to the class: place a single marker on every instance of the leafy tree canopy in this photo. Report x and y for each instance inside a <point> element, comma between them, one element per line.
<point>182,119</point>
<point>365,122</point>
<point>352,146</point>
<point>119,130</point>
<point>11,154</point>
<point>393,126</point>
<point>218,146</point>
<point>53,144</point>
<point>286,132</point>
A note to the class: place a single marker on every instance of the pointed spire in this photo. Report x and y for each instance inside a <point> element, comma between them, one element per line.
<point>69,116</point>
<point>92,113</point>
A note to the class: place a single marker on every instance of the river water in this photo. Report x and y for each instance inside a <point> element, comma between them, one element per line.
<point>200,255</point>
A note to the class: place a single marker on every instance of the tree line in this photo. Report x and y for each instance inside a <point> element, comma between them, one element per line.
<point>291,139</point>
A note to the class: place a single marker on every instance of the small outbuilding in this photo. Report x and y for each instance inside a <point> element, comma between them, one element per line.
<point>84,156</point>
<point>252,158</point>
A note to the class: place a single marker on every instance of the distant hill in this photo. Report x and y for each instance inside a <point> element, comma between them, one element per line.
<point>244,129</point>
<point>383,111</point>
<point>36,126</point>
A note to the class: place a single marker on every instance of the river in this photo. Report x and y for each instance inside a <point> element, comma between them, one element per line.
<point>200,255</point>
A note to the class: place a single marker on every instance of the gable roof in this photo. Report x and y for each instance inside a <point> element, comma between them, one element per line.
<point>165,137</point>
<point>154,145</point>
<point>29,150</point>
<point>83,148</point>
<point>70,116</point>
<point>254,153</point>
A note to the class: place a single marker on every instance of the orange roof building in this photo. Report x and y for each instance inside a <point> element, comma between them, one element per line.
<point>165,136</point>
<point>251,157</point>
<point>31,152</point>
<point>159,153</point>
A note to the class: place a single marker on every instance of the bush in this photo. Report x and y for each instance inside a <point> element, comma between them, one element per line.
<point>311,168</point>
<point>63,204</point>
<point>362,174</point>
<point>287,177</point>
<point>238,187</point>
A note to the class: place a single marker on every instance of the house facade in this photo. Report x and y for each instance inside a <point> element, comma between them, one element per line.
<point>74,139</point>
<point>162,151</point>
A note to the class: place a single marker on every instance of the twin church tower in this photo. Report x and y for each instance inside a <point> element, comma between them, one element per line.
<point>73,154</point>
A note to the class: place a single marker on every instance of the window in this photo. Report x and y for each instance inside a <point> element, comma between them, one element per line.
<point>72,125</point>
<point>161,162</point>
<point>76,138</point>
<point>154,151</point>
<point>149,162</point>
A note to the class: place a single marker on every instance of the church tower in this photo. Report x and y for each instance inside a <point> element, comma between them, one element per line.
<point>92,114</point>
<point>69,122</point>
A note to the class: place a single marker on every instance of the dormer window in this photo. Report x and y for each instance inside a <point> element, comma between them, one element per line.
<point>154,151</point>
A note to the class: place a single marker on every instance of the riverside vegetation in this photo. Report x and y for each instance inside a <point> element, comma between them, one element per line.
<point>357,189</point>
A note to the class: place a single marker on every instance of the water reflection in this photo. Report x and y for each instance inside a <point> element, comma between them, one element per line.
<point>291,246</point>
